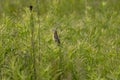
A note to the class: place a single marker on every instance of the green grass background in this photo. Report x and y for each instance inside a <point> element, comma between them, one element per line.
<point>89,31</point>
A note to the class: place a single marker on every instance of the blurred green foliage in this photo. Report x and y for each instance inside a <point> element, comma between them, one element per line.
<point>88,29</point>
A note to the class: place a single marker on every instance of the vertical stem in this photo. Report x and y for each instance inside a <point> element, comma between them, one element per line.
<point>38,15</point>
<point>1,39</point>
<point>60,62</point>
<point>2,48</point>
<point>32,43</point>
<point>60,65</point>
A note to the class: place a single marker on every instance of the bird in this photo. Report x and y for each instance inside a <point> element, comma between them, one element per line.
<point>31,7</point>
<point>56,37</point>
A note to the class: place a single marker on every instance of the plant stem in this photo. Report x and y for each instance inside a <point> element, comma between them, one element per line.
<point>32,43</point>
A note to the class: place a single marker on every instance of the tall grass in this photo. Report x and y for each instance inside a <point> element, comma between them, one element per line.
<point>88,29</point>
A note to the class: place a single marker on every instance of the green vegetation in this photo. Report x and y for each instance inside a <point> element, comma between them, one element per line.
<point>89,31</point>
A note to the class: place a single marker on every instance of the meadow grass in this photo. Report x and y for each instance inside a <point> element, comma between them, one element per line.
<point>89,31</point>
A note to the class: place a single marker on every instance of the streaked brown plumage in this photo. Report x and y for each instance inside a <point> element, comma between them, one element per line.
<point>56,38</point>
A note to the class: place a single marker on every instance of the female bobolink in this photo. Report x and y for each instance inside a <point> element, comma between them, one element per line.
<point>56,38</point>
